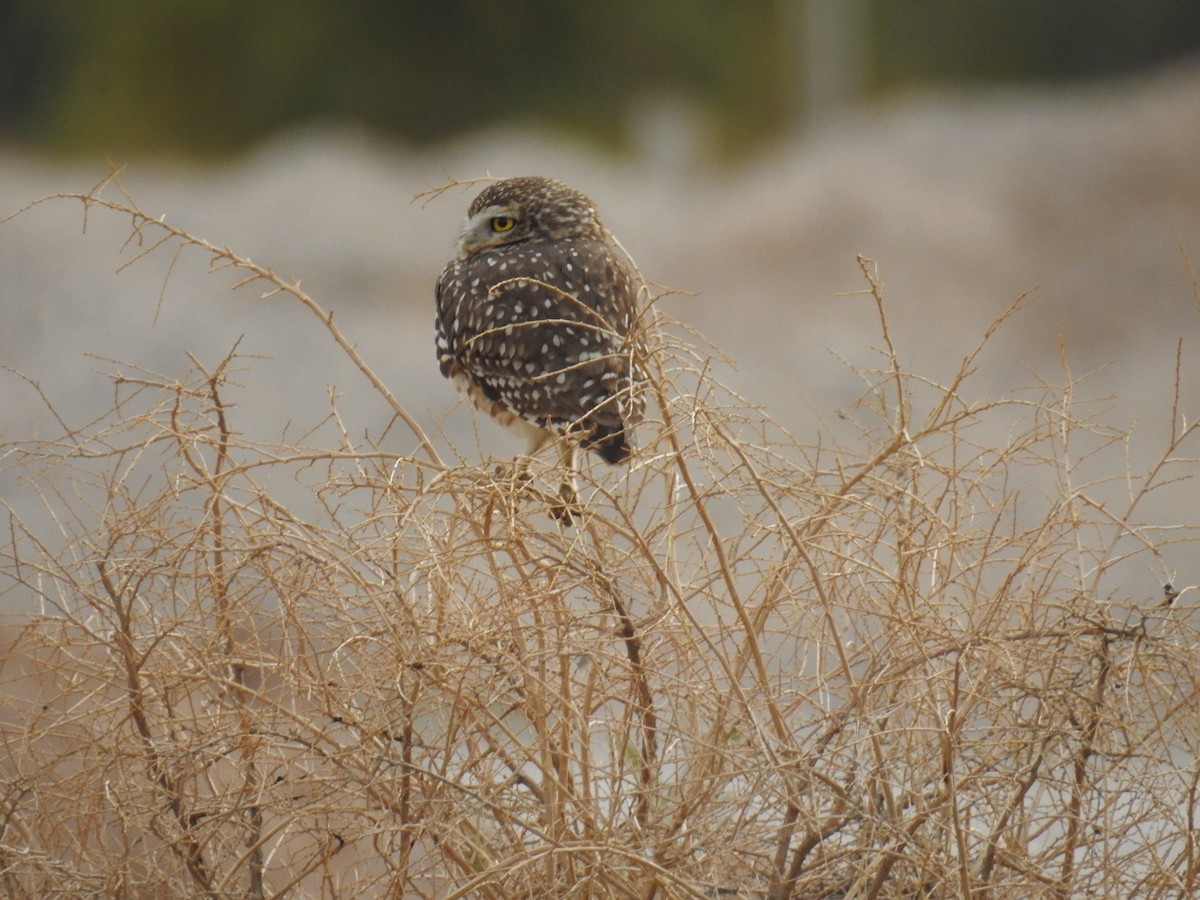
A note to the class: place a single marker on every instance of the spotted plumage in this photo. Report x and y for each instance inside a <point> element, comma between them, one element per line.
<point>534,320</point>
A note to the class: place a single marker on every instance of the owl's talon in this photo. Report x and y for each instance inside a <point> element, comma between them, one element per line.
<point>565,513</point>
<point>569,507</point>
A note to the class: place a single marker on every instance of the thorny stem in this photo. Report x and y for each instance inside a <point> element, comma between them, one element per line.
<point>121,598</point>
<point>223,257</point>
<point>1083,754</point>
<point>219,581</point>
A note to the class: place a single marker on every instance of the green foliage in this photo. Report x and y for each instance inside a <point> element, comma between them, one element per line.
<point>212,76</point>
<point>1029,39</point>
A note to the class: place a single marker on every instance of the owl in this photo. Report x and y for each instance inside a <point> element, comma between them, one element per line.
<point>535,322</point>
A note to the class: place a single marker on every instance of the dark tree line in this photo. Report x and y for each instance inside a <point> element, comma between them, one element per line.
<point>208,77</point>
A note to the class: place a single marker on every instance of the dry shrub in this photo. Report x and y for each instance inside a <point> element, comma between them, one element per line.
<point>755,668</point>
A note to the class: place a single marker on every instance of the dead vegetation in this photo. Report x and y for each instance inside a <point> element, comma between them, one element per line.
<point>758,666</point>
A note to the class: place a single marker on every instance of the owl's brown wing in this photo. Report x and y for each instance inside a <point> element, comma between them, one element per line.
<point>540,328</point>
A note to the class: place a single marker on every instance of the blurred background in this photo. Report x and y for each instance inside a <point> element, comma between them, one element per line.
<point>745,153</point>
<point>202,79</point>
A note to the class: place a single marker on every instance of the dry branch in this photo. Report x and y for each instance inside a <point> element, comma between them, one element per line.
<point>757,668</point>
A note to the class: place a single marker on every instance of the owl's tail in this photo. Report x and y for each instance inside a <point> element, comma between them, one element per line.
<point>609,443</point>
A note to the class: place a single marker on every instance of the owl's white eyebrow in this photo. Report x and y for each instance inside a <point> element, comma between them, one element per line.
<point>509,209</point>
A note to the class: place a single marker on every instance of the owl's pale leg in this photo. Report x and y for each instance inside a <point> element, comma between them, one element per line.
<point>568,458</point>
<point>537,439</point>
<point>568,492</point>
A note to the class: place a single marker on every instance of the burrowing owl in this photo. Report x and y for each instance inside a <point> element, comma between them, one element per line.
<point>534,322</point>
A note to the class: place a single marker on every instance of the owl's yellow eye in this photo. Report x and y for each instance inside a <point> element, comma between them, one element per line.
<point>503,223</point>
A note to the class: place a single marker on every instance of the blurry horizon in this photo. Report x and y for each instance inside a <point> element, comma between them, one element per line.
<point>130,79</point>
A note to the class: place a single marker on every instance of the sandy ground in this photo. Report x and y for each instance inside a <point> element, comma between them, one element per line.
<point>1089,196</point>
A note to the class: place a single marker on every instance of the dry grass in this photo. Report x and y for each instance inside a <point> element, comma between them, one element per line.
<point>756,668</point>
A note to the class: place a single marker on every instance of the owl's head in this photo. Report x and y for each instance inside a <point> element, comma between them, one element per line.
<point>533,208</point>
